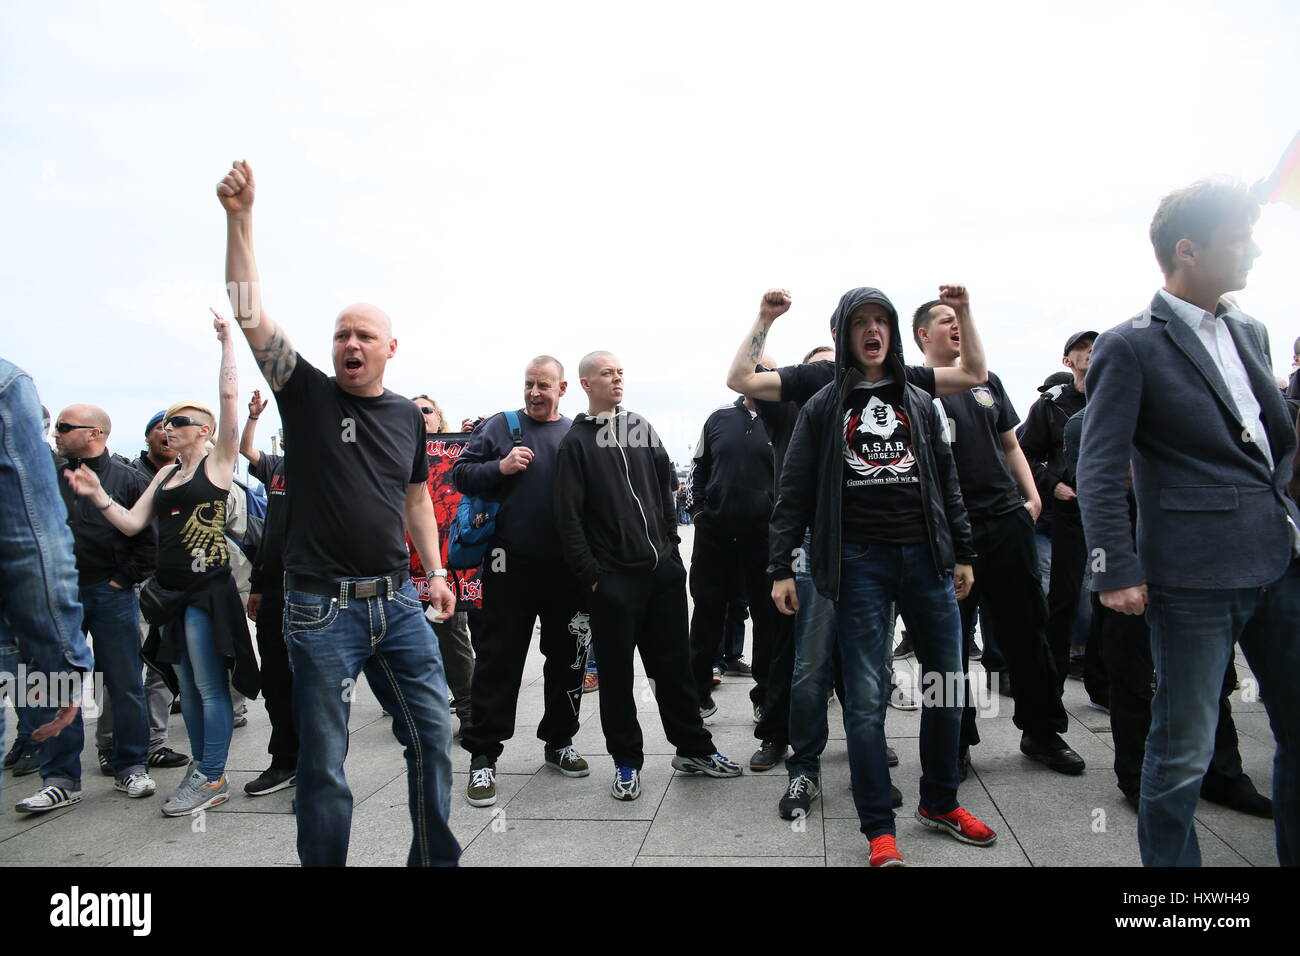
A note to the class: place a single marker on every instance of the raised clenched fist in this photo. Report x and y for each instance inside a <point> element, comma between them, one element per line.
<point>775,302</point>
<point>235,191</point>
<point>954,296</point>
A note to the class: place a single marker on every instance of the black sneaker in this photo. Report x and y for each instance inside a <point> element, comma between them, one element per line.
<point>799,797</point>
<point>1075,670</point>
<point>105,768</point>
<point>768,756</point>
<point>12,756</point>
<point>709,709</point>
<point>973,651</point>
<point>1051,750</point>
<point>29,761</point>
<point>271,780</point>
<point>891,756</point>
<point>737,668</point>
<point>904,648</point>
<point>167,758</point>
<point>895,797</point>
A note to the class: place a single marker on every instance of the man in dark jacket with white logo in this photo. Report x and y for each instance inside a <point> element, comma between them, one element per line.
<point>617,520</point>
<point>868,471</point>
<point>1185,391</point>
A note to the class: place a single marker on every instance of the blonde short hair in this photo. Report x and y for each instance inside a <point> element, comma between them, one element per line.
<point>197,406</point>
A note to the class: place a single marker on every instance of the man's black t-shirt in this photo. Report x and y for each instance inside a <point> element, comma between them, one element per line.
<point>351,461</point>
<point>976,421</point>
<point>268,571</point>
<point>882,486</point>
<point>800,383</point>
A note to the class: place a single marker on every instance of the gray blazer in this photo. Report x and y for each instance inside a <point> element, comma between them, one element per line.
<point>1211,514</point>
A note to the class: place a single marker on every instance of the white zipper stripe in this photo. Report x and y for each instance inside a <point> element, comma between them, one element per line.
<point>628,474</point>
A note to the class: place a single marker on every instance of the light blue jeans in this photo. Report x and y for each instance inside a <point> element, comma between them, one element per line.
<point>205,696</point>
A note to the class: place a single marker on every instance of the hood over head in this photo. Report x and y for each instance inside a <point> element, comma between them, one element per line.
<point>840,323</point>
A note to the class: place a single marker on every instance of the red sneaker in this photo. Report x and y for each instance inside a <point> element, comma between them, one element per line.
<point>961,825</point>
<point>884,851</point>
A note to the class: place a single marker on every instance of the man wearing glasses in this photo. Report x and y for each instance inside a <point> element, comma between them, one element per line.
<point>109,564</point>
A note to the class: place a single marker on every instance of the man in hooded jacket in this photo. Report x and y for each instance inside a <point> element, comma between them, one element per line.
<point>868,472</point>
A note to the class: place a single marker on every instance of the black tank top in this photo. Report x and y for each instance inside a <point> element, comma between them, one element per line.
<point>191,529</point>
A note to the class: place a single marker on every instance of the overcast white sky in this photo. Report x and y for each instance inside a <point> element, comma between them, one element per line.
<point>513,178</point>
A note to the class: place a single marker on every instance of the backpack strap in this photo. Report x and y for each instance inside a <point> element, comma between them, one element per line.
<point>516,428</point>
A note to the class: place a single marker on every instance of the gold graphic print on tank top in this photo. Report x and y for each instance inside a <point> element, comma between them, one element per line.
<point>205,531</point>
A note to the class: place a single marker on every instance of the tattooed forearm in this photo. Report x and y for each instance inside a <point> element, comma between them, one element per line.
<point>756,346</point>
<point>276,359</point>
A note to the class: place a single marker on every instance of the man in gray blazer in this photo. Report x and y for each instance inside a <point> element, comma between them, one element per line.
<point>1185,392</point>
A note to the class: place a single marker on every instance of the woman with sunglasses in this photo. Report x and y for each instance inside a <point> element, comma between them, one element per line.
<point>192,604</point>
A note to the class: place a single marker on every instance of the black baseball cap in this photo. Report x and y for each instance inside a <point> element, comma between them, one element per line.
<point>1056,378</point>
<point>1074,340</point>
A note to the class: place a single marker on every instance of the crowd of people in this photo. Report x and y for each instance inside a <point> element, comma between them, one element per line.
<point>1134,528</point>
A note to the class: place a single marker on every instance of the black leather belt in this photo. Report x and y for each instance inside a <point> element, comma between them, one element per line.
<point>371,587</point>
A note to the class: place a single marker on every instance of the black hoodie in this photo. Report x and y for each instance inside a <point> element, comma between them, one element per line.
<point>812,478</point>
<point>615,497</point>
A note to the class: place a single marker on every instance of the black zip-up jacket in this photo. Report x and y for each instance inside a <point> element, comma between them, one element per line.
<point>812,479</point>
<point>731,472</point>
<point>1043,442</point>
<point>104,553</point>
<point>615,497</point>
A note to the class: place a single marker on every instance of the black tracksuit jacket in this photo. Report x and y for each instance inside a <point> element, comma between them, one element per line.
<point>615,497</point>
<point>731,472</point>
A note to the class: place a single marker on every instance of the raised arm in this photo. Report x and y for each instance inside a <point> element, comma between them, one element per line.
<point>130,521</point>
<point>272,350</point>
<point>226,442</point>
<point>256,405</point>
<point>971,369</point>
<point>741,377</point>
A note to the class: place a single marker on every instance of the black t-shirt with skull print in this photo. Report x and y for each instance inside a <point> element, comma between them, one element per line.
<point>882,488</point>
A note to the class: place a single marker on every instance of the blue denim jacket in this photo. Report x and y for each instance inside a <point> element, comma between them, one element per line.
<point>38,574</point>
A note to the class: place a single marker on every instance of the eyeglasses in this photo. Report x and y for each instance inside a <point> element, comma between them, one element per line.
<point>180,421</point>
<point>426,411</point>
<point>63,427</point>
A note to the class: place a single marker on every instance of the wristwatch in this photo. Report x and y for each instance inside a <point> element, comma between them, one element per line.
<point>439,573</point>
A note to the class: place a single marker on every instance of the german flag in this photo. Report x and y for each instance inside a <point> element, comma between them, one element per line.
<point>1284,184</point>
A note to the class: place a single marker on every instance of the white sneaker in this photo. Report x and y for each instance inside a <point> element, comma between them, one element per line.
<point>48,798</point>
<point>901,697</point>
<point>136,785</point>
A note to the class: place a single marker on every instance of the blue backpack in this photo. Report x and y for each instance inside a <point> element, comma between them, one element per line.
<point>256,524</point>
<point>476,518</point>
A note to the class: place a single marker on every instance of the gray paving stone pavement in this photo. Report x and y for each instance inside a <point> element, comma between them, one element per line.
<point>544,819</point>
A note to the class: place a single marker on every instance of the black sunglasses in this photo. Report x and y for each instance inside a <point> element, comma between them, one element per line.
<point>427,411</point>
<point>180,421</point>
<point>63,427</point>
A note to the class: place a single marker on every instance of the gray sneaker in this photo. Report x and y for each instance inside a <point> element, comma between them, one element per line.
<point>136,785</point>
<point>196,794</point>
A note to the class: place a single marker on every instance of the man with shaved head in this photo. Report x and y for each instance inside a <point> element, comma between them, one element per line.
<point>109,565</point>
<point>524,579</point>
<point>616,511</point>
<point>357,464</point>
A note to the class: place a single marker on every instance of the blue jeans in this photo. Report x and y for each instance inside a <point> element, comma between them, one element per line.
<point>110,618</point>
<point>873,578</point>
<point>814,647</point>
<point>205,696</point>
<point>331,642</point>
<point>1192,636</point>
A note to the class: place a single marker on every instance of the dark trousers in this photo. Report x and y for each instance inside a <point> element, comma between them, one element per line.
<point>1069,559</point>
<point>1126,646</point>
<point>458,659</point>
<point>733,627</point>
<point>1096,679</point>
<point>513,600</point>
<point>775,725</point>
<point>1010,602</point>
<point>714,560</point>
<point>647,612</point>
<point>277,681</point>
